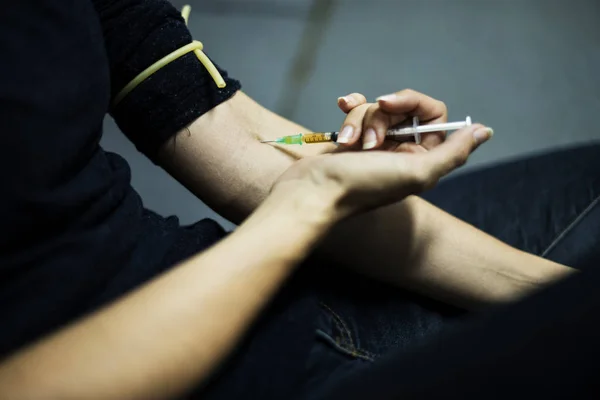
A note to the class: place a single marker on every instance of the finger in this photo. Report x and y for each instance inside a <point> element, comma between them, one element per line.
<point>430,140</point>
<point>352,127</point>
<point>427,109</point>
<point>410,147</point>
<point>410,102</point>
<point>455,151</point>
<point>376,123</point>
<point>350,101</point>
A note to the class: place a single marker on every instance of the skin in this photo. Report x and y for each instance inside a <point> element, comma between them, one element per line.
<point>200,310</point>
<point>410,243</point>
<point>436,254</point>
<point>218,293</point>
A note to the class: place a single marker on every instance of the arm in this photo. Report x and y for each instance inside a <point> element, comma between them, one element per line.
<point>411,243</point>
<point>435,254</point>
<point>124,352</point>
<point>220,159</point>
<point>215,295</point>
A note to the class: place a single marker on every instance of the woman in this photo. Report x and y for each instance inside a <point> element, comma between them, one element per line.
<point>96,297</point>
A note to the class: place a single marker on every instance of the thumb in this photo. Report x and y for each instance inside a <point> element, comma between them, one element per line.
<point>455,151</point>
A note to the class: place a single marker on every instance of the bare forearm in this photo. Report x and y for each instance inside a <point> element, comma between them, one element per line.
<point>173,332</point>
<point>221,160</point>
<point>415,245</point>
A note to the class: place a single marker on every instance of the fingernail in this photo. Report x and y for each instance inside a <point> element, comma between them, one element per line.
<point>387,97</point>
<point>370,139</point>
<point>345,135</point>
<point>346,99</point>
<point>483,134</point>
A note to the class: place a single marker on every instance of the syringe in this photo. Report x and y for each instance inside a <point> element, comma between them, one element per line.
<point>415,131</point>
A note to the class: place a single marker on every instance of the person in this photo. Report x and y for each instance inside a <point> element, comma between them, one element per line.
<point>101,298</point>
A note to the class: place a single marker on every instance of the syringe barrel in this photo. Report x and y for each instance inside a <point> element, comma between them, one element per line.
<point>410,130</point>
<point>320,137</point>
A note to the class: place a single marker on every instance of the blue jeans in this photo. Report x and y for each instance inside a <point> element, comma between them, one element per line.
<point>546,204</point>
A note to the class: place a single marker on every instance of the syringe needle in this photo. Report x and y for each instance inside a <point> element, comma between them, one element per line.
<point>268,141</point>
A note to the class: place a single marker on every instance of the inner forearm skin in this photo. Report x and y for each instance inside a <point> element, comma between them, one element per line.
<point>415,245</point>
<point>412,243</point>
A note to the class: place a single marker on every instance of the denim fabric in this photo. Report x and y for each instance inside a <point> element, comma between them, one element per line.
<point>545,204</point>
<point>531,203</point>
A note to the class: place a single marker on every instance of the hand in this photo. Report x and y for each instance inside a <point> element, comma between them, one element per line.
<point>347,183</point>
<point>366,124</point>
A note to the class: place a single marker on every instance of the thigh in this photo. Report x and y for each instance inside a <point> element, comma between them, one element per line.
<point>361,320</point>
<point>545,204</point>
<point>531,203</point>
<point>544,347</point>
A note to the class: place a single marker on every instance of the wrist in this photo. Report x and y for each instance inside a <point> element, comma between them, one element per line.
<point>306,203</point>
<point>540,271</point>
<point>287,226</point>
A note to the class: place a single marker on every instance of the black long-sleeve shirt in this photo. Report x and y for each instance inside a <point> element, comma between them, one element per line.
<point>74,233</point>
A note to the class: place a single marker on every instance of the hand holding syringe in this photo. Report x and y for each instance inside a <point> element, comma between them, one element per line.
<point>415,131</point>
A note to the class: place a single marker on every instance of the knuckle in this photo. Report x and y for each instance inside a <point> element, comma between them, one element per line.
<point>371,111</point>
<point>443,107</point>
<point>377,112</point>
<point>356,117</point>
<point>357,113</point>
<point>359,97</point>
<point>378,118</point>
<point>408,91</point>
<point>373,108</point>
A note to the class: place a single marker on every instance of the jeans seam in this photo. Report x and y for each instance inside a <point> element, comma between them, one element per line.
<point>357,353</point>
<point>341,325</point>
<point>570,227</point>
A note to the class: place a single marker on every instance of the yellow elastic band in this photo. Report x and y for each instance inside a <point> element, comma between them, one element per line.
<point>185,13</point>
<point>195,46</point>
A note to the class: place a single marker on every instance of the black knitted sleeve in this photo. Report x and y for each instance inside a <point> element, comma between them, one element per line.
<point>137,33</point>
